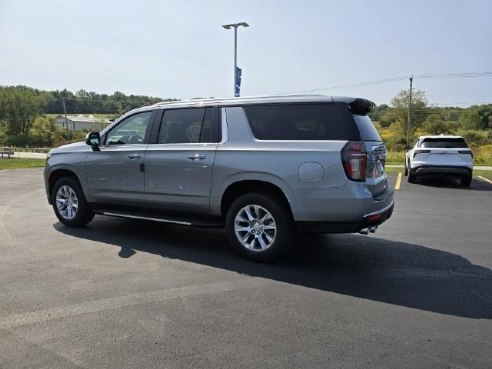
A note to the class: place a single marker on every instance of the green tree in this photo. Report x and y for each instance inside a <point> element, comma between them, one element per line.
<point>378,112</point>
<point>470,119</point>
<point>419,110</point>
<point>19,107</point>
<point>436,125</point>
<point>43,132</point>
<point>476,117</point>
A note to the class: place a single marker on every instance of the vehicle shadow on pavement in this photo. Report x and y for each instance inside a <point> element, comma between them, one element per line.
<point>371,268</point>
<point>446,182</point>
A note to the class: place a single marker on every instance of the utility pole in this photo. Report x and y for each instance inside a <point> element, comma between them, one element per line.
<point>409,118</point>
<point>65,111</point>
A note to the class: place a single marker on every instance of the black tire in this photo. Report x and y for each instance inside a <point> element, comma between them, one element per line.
<point>406,169</point>
<point>71,191</point>
<point>282,235</point>
<point>411,177</point>
<point>466,181</point>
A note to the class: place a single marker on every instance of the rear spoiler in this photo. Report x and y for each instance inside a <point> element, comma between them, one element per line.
<point>361,106</point>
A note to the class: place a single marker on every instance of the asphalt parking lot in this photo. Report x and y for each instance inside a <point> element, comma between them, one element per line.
<point>133,294</point>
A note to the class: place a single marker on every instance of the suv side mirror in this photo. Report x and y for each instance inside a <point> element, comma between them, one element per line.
<point>93,139</point>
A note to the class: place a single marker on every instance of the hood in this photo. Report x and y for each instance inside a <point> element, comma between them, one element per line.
<point>73,147</point>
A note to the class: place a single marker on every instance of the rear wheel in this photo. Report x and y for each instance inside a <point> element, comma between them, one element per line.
<point>259,226</point>
<point>69,203</point>
<point>411,177</point>
<point>466,181</point>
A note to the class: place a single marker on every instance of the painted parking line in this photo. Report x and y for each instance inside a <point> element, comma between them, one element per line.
<point>485,179</point>
<point>398,182</point>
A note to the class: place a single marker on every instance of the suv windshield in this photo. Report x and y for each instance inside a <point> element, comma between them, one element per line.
<point>444,143</point>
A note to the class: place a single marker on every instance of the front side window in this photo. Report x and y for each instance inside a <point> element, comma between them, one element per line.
<point>295,122</point>
<point>130,131</point>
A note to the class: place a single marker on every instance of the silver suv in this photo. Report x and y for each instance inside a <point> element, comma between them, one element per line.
<point>263,168</point>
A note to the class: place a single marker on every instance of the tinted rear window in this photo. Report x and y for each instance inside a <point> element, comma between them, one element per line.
<point>295,122</point>
<point>367,130</point>
<point>444,143</point>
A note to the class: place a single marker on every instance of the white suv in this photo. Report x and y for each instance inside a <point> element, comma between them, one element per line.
<point>440,155</point>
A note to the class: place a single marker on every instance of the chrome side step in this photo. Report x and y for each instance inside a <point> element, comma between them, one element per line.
<point>121,215</point>
<point>164,218</point>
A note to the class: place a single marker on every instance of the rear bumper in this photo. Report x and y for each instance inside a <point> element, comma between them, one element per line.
<point>451,170</point>
<point>369,220</point>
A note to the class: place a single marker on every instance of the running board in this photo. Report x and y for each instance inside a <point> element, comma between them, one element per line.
<point>170,220</point>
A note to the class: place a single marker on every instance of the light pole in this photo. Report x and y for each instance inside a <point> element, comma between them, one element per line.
<point>235,26</point>
<point>409,118</point>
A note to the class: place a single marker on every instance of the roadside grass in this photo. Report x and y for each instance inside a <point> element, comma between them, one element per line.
<point>476,172</point>
<point>15,163</point>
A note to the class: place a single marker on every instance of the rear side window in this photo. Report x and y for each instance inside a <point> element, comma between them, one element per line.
<point>443,143</point>
<point>366,128</point>
<point>295,122</point>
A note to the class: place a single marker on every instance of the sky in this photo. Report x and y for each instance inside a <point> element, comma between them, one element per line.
<point>178,49</point>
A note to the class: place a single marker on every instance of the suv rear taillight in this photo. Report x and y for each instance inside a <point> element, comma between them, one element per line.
<point>354,159</point>
<point>420,152</point>
<point>466,152</point>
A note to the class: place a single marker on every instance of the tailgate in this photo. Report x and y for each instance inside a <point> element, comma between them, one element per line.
<point>444,156</point>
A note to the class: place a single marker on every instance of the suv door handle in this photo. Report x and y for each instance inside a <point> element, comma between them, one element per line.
<point>197,157</point>
<point>134,156</point>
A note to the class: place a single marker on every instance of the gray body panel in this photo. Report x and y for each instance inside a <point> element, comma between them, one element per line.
<point>113,174</point>
<point>179,176</point>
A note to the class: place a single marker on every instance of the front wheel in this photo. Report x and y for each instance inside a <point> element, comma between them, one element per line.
<point>466,181</point>
<point>69,203</point>
<point>259,226</point>
<point>411,177</point>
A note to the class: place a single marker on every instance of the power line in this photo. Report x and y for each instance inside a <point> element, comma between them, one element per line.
<point>455,75</point>
<point>353,85</point>
<point>467,103</point>
<point>388,80</point>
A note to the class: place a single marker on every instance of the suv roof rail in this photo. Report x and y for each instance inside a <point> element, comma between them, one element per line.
<point>358,106</point>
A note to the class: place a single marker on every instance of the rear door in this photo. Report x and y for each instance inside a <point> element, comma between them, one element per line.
<point>180,159</point>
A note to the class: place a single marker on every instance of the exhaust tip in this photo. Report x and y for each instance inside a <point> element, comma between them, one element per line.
<point>368,230</point>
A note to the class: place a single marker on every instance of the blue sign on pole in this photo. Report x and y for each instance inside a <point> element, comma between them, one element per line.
<point>237,82</point>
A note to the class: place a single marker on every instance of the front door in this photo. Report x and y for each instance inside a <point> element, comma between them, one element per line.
<point>115,174</point>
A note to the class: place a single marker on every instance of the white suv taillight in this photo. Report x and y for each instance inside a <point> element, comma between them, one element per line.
<point>354,159</point>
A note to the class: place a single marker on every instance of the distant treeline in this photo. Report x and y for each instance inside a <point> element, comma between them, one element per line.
<point>87,102</point>
<point>23,120</point>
